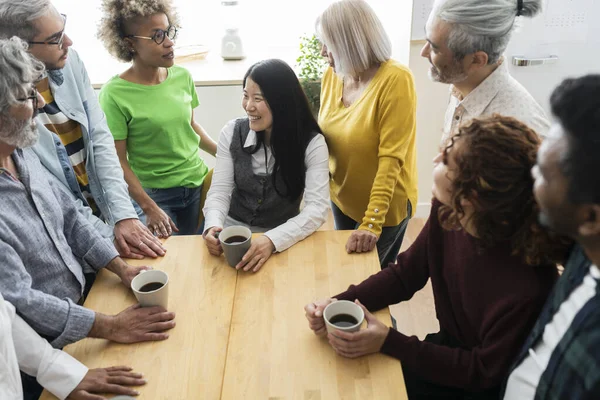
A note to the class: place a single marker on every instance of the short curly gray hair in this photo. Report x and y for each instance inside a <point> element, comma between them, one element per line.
<point>118,14</point>
<point>19,69</point>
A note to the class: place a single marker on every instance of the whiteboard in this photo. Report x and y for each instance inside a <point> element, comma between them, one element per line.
<point>566,20</point>
<point>421,11</point>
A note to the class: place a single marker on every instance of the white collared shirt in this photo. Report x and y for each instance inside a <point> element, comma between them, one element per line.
<point>316,191</point>
<point>523,381</point>
<point>22,348</point>
<point>499,93</point>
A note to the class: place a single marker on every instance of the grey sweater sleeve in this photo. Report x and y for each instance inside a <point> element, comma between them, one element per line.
<point>85,241</point>
<point>46,314</point>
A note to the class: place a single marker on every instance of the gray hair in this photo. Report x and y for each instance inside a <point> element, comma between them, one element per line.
<point>17,17</point>
<point>354,35</point>
<point>478,25</point>
<point>19,69</point>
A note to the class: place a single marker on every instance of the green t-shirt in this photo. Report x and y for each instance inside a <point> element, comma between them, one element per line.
<point>162,146</point>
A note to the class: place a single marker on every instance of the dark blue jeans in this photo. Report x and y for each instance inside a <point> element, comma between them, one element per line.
<point>389,241</point>
<point>181,204</point>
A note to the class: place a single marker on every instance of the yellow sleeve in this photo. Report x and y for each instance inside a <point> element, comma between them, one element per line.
<point>397,107</point>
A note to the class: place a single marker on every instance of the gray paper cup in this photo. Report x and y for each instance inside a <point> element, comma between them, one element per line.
<point>235,251</point>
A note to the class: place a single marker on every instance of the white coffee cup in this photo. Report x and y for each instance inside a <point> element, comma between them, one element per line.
<point>341,307</point>
<point>157,297</point>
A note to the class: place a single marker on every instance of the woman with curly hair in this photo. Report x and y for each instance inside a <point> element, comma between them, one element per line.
<point>491,267</point>
<point>149,109</point>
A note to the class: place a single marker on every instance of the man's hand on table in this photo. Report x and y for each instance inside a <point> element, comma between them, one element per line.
<point>363,342</point>
<point>134,324</point>
<point>114,380</point>
<point>134,240</point>
<point>125,271</point>
<point>314,315</point>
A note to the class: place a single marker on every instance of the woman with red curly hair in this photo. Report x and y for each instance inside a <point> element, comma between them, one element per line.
<point>491,267</point>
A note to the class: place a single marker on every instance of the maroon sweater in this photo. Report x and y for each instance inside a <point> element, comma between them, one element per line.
<point>487,300</point>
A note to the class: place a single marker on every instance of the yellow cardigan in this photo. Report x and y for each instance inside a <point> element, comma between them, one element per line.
<point>372,146</point>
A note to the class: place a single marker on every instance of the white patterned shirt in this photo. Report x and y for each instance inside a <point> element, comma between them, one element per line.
<point>499,93</point>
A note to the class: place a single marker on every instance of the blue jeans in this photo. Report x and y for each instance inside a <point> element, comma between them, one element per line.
<point>390,239</point>
<point>181,204</point>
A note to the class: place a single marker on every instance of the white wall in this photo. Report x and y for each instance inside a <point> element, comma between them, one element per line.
<point>432,99</point>
<point>218,105</point>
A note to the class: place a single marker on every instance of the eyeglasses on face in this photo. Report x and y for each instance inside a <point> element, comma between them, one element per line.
<point>60,40</point>
<point>160,35</point>
<point>31,95</point>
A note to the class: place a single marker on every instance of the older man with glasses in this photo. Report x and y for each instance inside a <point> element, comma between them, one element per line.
<point>44,245</point>
<point>75,143</point>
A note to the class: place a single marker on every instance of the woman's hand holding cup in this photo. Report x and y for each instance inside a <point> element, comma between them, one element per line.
<point>212,241</point>
<point>314,315</point>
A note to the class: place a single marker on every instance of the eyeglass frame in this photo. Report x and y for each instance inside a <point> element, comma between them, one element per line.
<point>33,95</point>
<point>60,40</point>
<point>153,38</point>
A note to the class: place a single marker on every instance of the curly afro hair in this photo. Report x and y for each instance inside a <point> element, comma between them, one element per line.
<point>494,157</point>
<point>118,15</point>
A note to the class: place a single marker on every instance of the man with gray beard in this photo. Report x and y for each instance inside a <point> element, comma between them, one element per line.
<point>45,244</point>
<point>75,144</point>
<point>466,40</point>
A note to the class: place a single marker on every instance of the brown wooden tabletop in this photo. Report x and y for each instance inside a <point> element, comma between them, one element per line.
<point>243,335</point>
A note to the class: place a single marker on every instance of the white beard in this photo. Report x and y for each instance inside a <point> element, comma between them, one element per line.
<point>18,133</point>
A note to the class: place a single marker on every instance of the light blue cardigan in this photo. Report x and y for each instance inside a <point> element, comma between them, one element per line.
<point>76,98</point>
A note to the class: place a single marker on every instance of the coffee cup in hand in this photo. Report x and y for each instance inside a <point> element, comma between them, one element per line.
<point>235,241</point>
<point>151,288</point>
<point>343,315</point>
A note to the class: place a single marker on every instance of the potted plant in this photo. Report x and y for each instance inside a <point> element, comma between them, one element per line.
<point>310,65</point>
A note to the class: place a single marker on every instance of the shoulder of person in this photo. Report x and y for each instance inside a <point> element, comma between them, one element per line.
<point>394,70</point>
<point>329,76</point>
<point>178,71</point>
<point>396,79</point>
<point>229,127</point>
<point>112,84</point>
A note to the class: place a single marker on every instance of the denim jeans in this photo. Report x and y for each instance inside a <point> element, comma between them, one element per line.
<point>390,239</point>
<point>181,204</point>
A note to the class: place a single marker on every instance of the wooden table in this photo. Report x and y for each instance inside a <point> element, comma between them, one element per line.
<point>242,335</point>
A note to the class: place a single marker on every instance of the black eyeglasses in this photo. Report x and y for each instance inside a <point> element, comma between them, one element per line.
<point>33,96</point>
<point>60,40</point>
<point>160,35</point>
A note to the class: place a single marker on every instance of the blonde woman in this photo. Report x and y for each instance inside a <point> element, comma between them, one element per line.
<point>368,107</point>
<point>149,109</point>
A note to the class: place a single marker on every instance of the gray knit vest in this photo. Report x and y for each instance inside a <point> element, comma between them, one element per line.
<point>254,200</point>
